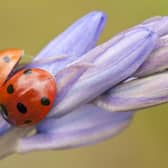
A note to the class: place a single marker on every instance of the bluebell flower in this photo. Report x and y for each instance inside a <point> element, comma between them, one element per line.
<point>99,88</point>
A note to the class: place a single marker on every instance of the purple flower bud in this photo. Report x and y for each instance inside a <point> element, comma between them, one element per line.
<point>69,45</point>
<point>156,62</point>
<point>112,62</point>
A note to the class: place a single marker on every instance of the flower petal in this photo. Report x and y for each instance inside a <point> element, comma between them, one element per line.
<point>67,77</point>
<point>85,126</point>
<point>156,62</point>
<point>75,41</point>
<point>4,126</point>
<point>136,94</point>
<point>112,62</point>
<point>157,24</point>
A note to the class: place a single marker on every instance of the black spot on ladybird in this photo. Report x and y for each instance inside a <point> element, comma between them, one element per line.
<point>45,101</point>
<point>10,89</point>
<point>21,108</point>
<point>6,59</point>
<point>27,121</point>
<point>4,111</point>
<point>27,71</point>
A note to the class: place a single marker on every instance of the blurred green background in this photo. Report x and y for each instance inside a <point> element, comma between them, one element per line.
<point>30,24</point>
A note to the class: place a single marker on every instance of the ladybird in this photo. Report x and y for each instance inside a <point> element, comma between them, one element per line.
<point>27,97</point>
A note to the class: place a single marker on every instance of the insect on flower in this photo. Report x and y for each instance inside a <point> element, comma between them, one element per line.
<point>93,100</point>
<point>28,95</point>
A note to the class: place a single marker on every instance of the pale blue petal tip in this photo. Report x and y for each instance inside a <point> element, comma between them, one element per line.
<point>78,39</point>
<point>70,41</point>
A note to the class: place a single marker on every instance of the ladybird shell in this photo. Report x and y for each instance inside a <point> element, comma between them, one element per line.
<point>27,97</point>
<point>8,59</point>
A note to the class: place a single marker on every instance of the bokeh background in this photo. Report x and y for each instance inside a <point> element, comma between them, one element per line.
<point>30,24</point>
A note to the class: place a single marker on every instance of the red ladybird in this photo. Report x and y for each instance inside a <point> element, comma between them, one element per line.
<point>27,97</point>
